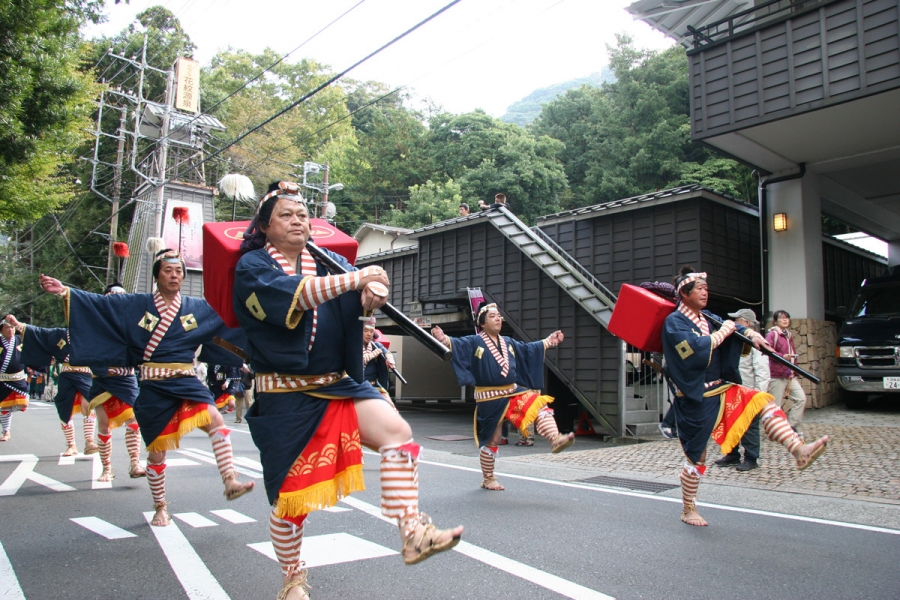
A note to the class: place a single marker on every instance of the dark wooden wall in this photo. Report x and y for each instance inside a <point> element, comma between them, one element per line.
<point>837,52</point>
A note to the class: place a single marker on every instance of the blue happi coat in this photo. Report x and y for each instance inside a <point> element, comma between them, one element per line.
<point>278,336</point>
<point>115,330</point>
<point>474,365</point>
<point>39,346</point>
<point>691,362</point>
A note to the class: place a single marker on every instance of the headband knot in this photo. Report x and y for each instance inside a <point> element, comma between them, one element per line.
<point>285,188</point>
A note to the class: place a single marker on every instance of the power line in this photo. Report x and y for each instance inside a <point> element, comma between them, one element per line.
<point>319,88</point>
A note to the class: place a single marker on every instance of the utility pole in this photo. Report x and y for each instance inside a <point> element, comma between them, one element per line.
<point>164,153</point>
<point>324,193</point>
<point>111,275</point>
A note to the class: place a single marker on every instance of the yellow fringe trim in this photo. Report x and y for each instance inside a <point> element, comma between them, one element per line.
<point>224,403</point>
<point>170,441</point>
<point>99,399</point>
<point>533,410</point>
<point>122,418</point>
<point>759,400</point>
<point>321,495</point>
<point>14,404</point>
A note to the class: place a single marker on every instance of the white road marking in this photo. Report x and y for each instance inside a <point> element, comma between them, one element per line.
<point>97,470</point>
<point>749,511</point>
<point>331,549</point>
<point>336,509</point>
<point>178,462</point>
<point>26,471</point>
<point>101,527</point>
<point>38,405</point>
<point>553,583</point>
<point>195,520</point>
<point>195,578</point>
<point>65,461</point>
<point>9,583</point>
<point>546,580</point>
<point>209,457</point>
<point>233,516</point>
<point>248,462</point>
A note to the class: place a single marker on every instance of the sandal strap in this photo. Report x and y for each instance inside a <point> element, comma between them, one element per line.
<point>297,578</point>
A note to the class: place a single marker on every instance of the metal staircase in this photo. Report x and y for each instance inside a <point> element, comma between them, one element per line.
<point>639,413</point>
<point>577,282</point>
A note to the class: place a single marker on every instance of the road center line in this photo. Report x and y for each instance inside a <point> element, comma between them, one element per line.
<point>749,511</point>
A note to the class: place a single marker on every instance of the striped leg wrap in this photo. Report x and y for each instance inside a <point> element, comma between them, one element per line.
<point>545,424</point>
<point>105,445</point>
<point>287,537</point>
<point>89,426</point>
<point>69,432</point>
<point>156,476</point>
<point>400,483</point>
<point>778,429</point>
<point>690,483</point>
<point>488,456</point>
<point>133,441</point>
<point>5,420</point>
<point>221,443</point>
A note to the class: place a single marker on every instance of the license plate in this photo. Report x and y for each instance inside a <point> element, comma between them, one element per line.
<point>892,383</point>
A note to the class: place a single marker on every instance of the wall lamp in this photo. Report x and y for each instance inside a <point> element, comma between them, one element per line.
<point>780,222</point>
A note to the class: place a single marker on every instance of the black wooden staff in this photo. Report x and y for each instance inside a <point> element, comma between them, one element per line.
<point>402,321</point>
<point>777,358</point>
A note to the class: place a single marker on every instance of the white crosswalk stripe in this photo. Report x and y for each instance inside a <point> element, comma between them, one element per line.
<point>331,549</point>
<point>189,568</point>
<point>233,516</point>
<point>104,528</point>
<point>195,520</point>
<point>210,458</point>
<point>9,583</point>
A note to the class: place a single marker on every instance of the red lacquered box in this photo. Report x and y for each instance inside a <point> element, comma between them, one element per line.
<point>638,317</point>
<point>221,251</point>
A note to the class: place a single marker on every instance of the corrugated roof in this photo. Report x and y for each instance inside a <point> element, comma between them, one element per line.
<point>384,228</point>
<point>397,251</point>
<point>684,191</point>
<point>672,17</point>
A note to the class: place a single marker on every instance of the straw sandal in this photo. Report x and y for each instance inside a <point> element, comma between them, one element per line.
<point>810,452</point>
<point>422,542</point>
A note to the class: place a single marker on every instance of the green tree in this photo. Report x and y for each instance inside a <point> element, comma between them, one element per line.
<point>316,130</point>
<point>391,155</point>
<point>44,103</point>
<point>487,156</point>
<point>428,203</point>
<point>632,136</point>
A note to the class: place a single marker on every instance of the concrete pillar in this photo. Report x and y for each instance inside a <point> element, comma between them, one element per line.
<point>796,282</point>
<point>893,252</point>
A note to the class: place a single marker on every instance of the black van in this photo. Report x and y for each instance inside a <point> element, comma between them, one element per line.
<point>868,346</point>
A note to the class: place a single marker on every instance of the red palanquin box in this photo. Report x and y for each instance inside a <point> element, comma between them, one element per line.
<point>638,317</point>
<point>221,251</point>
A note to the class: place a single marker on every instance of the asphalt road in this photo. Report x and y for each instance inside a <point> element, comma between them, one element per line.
<point>549,535</point>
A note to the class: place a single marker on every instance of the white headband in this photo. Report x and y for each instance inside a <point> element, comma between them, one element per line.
<point>686,279</point>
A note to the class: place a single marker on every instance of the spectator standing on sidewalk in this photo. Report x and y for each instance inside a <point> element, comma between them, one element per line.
<point>754,368</point>
<point>783,384</point>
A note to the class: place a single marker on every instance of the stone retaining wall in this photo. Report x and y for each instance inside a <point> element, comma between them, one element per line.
<point>815,341</point>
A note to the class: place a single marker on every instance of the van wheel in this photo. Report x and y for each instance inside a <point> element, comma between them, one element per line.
<point>855,400</point>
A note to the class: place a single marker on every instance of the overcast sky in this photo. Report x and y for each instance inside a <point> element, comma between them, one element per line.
<point>478,54</point>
